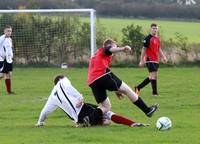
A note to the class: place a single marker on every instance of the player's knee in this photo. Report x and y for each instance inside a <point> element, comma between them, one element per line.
<point>154,77</point>
<point>7,76</point>
<point>124,88</point>
<point>105,108</point>
<point>105,105</point>
<point>1,75</point>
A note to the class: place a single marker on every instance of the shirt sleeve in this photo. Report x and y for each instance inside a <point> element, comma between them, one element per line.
<point>107,50</point>
<point>2,38</point>
<point>146,42</point>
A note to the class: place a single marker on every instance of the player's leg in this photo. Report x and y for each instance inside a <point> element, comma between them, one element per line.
<point>1,69</point>
<point>94,117</point>
<point>8,82</point>
<point>90,115</point>
<point>49,107</point>
<point>8,75</point>
<point>145,82</point>
<point>105,106</point>
<point>99,92</point>
<point>153,78</point>
<point>126,90</point>
<point>113,83</point>
<point>117,118</point>
<point>121,119</point>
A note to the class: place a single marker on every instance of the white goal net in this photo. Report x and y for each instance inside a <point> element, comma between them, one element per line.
<point>51,36</point>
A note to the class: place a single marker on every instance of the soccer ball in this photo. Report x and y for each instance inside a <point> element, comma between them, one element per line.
<point>163,123</point>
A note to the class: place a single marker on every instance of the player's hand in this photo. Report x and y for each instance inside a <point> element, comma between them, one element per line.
<point>119,95</point>
<point>39,124</point>
<point>79,103</point>
<point>165,60</point>
<point>141,64</point>
<point>127,48</point>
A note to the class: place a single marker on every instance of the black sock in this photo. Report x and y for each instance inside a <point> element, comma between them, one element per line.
<point>140,104</point>
<point>154,86</point>
<point>144,83</point>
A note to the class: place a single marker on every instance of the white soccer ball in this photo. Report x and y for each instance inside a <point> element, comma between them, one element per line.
<point>163,123</point>
<point>64,66</point>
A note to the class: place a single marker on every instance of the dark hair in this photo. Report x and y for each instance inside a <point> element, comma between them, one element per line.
<point>108,42</point>
<point>153,25</point>
<point>7,27</point>
<point>57,78</point>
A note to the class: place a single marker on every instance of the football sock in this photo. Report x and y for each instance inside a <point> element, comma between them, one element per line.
<point>140,104</point>
<point>144,83</point>
<point>154,86</point>
<point>8,85</point>
<point>121,120</point>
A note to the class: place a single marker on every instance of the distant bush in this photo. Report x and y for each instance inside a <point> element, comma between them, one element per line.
<point>133,36</point>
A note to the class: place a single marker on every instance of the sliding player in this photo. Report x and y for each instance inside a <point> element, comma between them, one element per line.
<point>66,97</point>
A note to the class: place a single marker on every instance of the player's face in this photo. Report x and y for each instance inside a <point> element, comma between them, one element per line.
<point>8,32</point>
<point>154,30</point>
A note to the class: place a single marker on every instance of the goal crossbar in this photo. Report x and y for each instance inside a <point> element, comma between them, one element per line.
<point>46,10</point>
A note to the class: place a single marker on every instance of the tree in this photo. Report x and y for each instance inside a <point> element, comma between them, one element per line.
<point>133,36</point>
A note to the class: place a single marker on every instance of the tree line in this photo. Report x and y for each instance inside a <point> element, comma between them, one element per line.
<point>121,8</point>
<point>50,40</point>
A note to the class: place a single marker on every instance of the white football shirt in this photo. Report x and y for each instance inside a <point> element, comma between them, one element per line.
<point>65,96</point>
<point>6,51</point>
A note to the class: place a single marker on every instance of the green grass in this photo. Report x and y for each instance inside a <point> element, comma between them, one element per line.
<point>167,28</point>
<point>179,99</point>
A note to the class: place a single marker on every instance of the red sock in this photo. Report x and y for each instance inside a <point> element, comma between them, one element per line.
<point>121,120</point>
<point>8,85</point>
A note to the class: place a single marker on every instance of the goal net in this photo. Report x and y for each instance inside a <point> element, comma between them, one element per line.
<point>51,36</point>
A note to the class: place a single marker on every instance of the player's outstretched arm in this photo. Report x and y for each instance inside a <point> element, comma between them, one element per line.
<point>120,49</point>
<point>48,108</point>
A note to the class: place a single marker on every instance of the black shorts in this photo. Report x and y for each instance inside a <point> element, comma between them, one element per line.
<point>152,67</point>
<point>108,82</point>
<point>6,67</point>
<point>85,111</point>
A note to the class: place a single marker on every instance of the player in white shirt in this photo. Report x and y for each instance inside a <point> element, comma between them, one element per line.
<point>6,57</point>
<point>66,97</point>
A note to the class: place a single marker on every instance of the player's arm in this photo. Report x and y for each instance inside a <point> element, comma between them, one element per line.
<point>142,56</point>
<point>146,44</point>
<point>2,38</point>
<point>162,55</point>
<point>116,49</point>
<point>47,109</point>
<point>119,95</point>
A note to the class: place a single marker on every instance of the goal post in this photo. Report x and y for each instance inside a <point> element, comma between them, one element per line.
<point>39,20</point>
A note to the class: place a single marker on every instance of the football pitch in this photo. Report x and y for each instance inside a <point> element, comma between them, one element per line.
<point>168,28</point>
<point>179,100</point>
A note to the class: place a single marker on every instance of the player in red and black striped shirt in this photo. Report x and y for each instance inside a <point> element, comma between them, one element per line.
<point>101,79</point>
<point>150,55</point>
